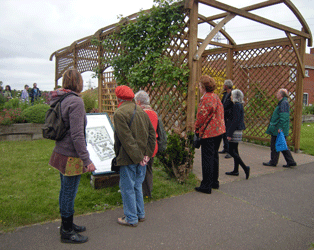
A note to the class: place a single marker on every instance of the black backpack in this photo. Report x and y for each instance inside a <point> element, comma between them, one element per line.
<point>54,128</point>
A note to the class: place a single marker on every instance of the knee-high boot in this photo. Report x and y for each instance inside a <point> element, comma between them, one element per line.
<point>68,235</point>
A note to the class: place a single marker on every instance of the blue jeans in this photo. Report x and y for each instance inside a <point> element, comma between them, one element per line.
<point>69,187</point>
<point>131,179</point>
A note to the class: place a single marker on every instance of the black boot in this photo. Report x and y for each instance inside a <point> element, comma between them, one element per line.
<point>68,235</point>
<point>76,228</point>
<point>247,172</point>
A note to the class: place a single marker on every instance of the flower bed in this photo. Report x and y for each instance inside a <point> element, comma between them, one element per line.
<point>21,132</point>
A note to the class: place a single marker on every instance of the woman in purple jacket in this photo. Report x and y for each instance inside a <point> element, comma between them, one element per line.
<point>70,155</point>
<point>234,128</point>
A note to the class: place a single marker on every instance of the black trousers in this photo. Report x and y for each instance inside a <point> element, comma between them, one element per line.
<point>234,152</point>
<point>226,142</point>
<point>210,161</point>
<point>274,155</point>
<point>148,182</point>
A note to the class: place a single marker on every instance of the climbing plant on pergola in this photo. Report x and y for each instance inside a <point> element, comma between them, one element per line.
<point>259,69</point>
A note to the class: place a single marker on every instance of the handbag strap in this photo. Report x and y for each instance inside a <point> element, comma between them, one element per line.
<point>207,125</point>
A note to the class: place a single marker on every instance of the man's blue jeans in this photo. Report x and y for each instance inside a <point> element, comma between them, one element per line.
<point>69,187</point>
<point>131,179</point>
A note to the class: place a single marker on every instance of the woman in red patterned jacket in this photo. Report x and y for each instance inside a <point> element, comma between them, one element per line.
<point>210,126</point>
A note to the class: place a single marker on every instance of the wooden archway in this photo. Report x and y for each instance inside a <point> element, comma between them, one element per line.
<point>227,60</point>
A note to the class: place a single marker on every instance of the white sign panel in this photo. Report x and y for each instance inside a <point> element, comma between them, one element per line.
<point>100,140</point>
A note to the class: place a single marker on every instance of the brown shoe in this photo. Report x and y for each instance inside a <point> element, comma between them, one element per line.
<point>122,221</point>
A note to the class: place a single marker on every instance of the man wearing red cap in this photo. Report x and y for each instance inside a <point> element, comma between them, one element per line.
<point>134,145</point>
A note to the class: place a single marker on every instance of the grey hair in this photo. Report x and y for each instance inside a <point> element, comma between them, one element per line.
<point>284,92</point>
<point>228,83</point>
<point>143,97</point>
<point>237,96</point>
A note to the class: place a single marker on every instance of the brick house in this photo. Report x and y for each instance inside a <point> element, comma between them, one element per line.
<point>308,89</point>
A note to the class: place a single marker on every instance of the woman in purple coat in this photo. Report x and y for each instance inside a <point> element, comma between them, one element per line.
<point>70,156</point>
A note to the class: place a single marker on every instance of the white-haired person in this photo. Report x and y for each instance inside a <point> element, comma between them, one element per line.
<point>234,127</point>
<point>142,99</point>
<point>280,121</point>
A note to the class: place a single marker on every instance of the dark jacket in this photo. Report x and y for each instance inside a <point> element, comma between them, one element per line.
<point>73,115</point>
<point>280,118</point>
<point>236,120</point>
<point>132,143</point>
<point>228,105</point>
<point>34,95</point>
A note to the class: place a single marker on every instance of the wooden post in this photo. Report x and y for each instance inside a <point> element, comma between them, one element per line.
<point>100,77</point>
<point>229,69</point>
<point>192,65</point>
<point>299,98</point>
<point>56,70</point>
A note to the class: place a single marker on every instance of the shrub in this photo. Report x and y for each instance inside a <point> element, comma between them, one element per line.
<point>12,104</point>
<point>178,158</point>
<point>90,100</point>
<point>36,113</point>
<point>308,110</point>
<point>10,116</point>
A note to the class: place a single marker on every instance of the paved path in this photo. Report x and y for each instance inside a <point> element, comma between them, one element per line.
<point>274,209</point>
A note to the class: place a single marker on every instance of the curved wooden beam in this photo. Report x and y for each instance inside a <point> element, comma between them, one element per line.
<point>254,17</point>
<point>248,8</point>
<point>223,32</point>
<point>299,16</point>
<point>211,35</point>
<point>297,53</point>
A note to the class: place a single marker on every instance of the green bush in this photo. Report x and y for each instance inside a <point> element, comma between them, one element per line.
<point>90,101</point>
<point>308,110</point>
<point>36,113</point>
<point>179,155</point>
<point>12,104</point>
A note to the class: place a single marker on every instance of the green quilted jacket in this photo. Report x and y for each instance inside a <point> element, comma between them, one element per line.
<point>280,118</point>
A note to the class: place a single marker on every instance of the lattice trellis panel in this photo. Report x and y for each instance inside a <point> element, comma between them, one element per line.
<point>215,65</point>
<point>260,73</point>
<point>171,102</point>
<point>108,98</point>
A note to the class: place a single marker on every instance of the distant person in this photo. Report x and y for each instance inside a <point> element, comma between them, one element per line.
<point>25,95</point>
<point>280,121</point>
<point>70,155</point>
<point>228,105</point>
<point>234,128</point>
<point>134,145</point>
<point>7,93</point>
<point>210,126</point>
<point>143,100</point>
<point>34,93</point>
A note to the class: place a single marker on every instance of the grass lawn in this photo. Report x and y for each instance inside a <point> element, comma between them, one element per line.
<point>29,187</point>
<point>307,138</point>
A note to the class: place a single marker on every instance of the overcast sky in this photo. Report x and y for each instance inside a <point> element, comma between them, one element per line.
<point>30,31</point>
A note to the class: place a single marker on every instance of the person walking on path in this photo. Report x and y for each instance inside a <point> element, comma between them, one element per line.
<point>70,155</point>
<point>25,94</point>
<point>210,126</point>
<point>135,141</point>
<point>234,128</point>
<point>143,100</point>
<point>34,93</point>
<point>228,104</point>
<point>279,121</point>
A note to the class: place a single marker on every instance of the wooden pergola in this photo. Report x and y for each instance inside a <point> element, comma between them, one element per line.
<point>259,69</point>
